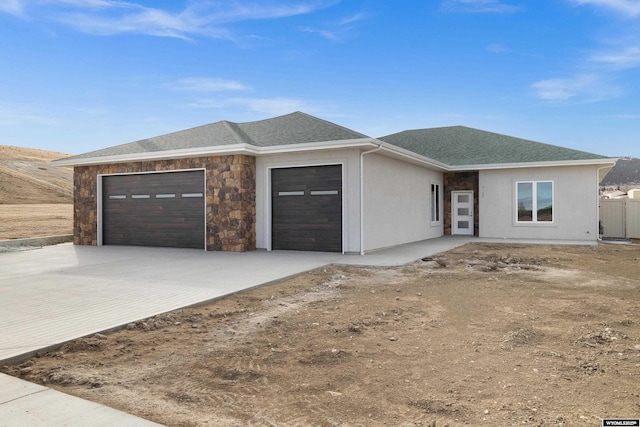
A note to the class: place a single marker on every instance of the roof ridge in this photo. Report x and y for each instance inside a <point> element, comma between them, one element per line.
<point>488,133</point>
<point>333,124</point>
<point>327,122</point>
<point>237,132</point>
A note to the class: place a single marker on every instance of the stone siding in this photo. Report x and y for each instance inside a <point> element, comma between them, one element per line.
<point>458,181</point>
<point>230,198</point>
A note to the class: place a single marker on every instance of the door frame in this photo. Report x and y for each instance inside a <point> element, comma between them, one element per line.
<point>454,216</point>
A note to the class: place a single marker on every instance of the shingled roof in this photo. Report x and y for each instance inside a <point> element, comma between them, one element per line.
<point>450,147</point>
<point>294,128</point>
<point>462,146</point>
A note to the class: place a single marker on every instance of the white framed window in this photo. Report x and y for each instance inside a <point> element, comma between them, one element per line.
<point>436,202</point>
<point>534,202</point>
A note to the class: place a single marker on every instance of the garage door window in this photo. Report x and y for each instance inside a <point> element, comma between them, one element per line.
<point>290,193</point>
<point>324,193</point>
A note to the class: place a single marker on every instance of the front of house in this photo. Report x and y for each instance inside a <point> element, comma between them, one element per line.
<point>297,182</point>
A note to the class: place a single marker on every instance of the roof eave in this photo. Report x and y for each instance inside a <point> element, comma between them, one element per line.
<point>156,155</point>
<point>246,149</point>
<point>397,152</point>
<point>315,146</point>
<point>556,163</point>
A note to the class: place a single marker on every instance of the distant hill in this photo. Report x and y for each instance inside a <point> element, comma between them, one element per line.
<point>27,178</point>
<point>625,174</point>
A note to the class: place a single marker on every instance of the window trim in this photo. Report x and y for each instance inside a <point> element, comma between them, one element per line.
<point>435,203</point>
<point>534,201</point>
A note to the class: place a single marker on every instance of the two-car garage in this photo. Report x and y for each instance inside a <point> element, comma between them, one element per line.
<point>168,209</point>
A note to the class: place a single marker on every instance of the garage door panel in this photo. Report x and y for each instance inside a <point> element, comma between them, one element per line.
<point>150,210</point>
<point>307,208</point>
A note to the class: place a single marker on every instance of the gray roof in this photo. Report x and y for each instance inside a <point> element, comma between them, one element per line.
<point>294,128</point>
<point>461,146</point>
<point>455,146</point>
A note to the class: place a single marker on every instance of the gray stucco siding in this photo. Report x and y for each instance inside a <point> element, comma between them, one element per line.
<point>575,204</point>
<point>397,202</point>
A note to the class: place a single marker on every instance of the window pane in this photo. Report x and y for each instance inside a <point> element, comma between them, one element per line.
<point>290,193</point>
<point>544,200</point>
<point>463,211</point>
<point>435,202</point>
<point>463,198</point>
<point>463,224</point>
<point>324,192</point>
<point>525,201</point>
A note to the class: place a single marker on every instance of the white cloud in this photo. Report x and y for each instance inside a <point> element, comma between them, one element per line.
<point>324,33</point>
<point>625,58</point>
<point>93,111</point>
<point>206,84</point>
<point>479,6</point>
<point>10,116</point>
<point>581,88</point>
<point>627,7</point>
<point>200,17</point>
<point>272,106</point>
<point>275,106</point>
<point>353,19</point>
<point>497,48</point>
<point>140,20</point>
<point>235,11</point>
<point>626,116</point>
<point>338,30</point>
<point>204,103</point>
<point>93,3</point>
<point>15,7</point>
<point>604,65</point>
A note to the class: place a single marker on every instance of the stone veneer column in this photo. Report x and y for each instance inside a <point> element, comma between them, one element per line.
<point>231,204</point>
<point>230,198</point>
<point>85,207</point>
<point>458,181</point>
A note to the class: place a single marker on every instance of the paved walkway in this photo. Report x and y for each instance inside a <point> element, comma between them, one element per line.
<point>58,293</point>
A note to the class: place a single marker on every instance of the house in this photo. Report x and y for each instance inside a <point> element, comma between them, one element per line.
<point>297,182</point>
<point>616,194</point>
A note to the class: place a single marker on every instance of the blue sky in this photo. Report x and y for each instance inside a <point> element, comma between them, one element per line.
<point>79,75</point>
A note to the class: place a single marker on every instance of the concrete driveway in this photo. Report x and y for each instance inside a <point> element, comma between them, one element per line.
<point>58,293</point>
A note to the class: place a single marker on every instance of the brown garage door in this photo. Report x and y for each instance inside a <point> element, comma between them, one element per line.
<point>159,209</point>
<point>307,208</point>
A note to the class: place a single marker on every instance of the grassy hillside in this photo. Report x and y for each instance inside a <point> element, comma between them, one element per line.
<point>27,178</point>
<point>626,172</point>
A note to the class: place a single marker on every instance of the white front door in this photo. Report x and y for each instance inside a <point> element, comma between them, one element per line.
<point>462,215</point>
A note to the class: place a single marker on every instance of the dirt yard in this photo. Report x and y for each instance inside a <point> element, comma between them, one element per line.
<point>484,335</point>
<point>35,220</point>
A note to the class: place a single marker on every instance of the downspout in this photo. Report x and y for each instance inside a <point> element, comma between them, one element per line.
<point>362,194</point>
<point>598,198</point>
